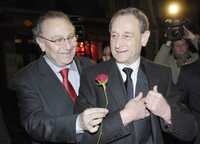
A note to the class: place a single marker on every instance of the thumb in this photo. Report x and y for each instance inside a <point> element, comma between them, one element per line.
<point>139,96</point>
<point>155,88</point>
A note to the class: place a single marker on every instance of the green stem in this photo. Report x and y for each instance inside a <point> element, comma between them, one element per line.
<point>106,105</point>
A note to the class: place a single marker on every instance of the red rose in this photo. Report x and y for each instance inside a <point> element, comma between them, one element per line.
<point>102,79</point>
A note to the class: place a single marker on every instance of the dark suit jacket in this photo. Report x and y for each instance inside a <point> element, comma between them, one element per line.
<point>45,107</point>
<point>189,85</point>
<point>91,95</point>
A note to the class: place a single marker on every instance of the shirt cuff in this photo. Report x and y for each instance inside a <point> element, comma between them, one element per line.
<point>79,130</point>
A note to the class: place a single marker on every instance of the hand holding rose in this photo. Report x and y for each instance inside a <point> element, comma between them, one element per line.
<point>90,119</point>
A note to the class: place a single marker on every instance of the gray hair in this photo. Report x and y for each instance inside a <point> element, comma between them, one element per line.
<point>37,30</point>
<point>143,20</point>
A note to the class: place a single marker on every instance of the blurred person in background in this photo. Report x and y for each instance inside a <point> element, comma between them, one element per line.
<point>107,55</point>
<point>188,83</point>
<point>179,52</point>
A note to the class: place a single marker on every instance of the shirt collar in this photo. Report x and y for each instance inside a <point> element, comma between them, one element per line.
<point>134,66</point>
<point>56,68</point>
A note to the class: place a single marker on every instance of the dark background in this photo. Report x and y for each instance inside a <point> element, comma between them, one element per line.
<point>91,18</point>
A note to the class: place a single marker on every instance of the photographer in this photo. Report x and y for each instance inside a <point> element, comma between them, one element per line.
<point>179,50</point>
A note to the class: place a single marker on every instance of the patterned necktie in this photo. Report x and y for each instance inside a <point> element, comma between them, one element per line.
<point>128,83</point>
<point>68,86</point>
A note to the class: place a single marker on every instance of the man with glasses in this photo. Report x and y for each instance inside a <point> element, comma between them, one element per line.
<point>47,88</point>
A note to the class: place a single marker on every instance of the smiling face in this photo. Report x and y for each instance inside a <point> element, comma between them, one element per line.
<point>53,29</point>
<point>126,39</point>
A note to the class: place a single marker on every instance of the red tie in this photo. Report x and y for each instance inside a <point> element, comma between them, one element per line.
<point>68,86</point>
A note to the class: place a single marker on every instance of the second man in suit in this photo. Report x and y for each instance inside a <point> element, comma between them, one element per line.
<point>139,94</point>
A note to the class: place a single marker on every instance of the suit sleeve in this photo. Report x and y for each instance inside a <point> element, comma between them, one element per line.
<point>184,125</point>
<point>39,124</point>
<point>112,126</point>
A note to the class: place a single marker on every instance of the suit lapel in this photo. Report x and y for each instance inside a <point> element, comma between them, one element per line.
<point>152,74</point>
<point>152,77</point>
<point>115,85</point>
<point>53,89</point>
<point>78,65</point>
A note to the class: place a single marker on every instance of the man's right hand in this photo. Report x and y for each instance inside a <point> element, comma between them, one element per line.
<point>168,43</point>
<point>91,118</point>
<point>188,34</point>
<point>134,110</point>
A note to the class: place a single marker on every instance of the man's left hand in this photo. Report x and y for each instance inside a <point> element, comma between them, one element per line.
<point>156,103</point>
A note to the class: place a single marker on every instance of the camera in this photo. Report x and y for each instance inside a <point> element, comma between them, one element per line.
<point>175,29</point>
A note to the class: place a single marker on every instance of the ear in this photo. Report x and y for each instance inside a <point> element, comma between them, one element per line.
<point>145,38</point>
<point>41,44</point>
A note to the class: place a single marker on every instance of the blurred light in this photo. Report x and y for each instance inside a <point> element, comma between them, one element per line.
<point>174,8</point>
<point>17,40</point>
<point>28,23</point>
<point>30,41</point>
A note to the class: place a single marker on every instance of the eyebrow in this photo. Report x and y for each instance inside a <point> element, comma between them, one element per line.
<point>61,36</point>
<point>129,33</point>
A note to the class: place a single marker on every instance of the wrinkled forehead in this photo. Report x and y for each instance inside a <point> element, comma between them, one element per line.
<point>125,23</point>
<point>57,24</point>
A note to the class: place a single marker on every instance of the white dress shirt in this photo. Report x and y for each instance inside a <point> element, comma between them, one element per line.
<point>135,67</point>
<point>74,78</point>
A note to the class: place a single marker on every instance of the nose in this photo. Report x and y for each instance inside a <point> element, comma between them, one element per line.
<point>64,46</point>
<point>67,44</point>
<point>118,42</point>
